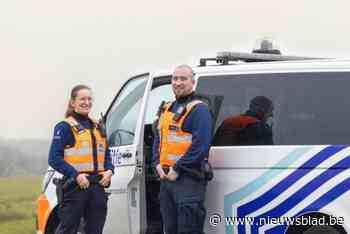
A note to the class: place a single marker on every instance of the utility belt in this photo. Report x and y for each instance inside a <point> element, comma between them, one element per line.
<point>62,185</point>
<point>205,172</point>
<point>66,183</point>
<point>94,179</point>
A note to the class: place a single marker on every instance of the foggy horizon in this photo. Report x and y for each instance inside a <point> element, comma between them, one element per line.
<point>48,46</point>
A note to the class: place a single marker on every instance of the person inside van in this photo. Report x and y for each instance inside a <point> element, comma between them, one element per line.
<point>249,128</point>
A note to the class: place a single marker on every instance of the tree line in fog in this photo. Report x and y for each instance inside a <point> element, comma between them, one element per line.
<point>23,157</point>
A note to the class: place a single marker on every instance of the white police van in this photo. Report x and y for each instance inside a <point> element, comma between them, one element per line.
<point>300,184</point>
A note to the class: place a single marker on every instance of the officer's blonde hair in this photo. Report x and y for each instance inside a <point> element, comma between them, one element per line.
<point>73,95</point>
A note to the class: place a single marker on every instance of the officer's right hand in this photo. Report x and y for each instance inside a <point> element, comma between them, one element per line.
<point>160,172</point>
<point>82,181</point>
<point>172,174</point>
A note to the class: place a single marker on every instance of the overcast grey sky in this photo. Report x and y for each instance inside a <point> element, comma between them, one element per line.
<point>49,46</point>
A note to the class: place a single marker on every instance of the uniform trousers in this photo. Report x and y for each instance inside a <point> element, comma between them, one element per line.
<point>90,204</point>
<point>182,205</point>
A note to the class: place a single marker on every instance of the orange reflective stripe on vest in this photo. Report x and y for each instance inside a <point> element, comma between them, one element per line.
<point>174,142</point>
<point>81,156</point>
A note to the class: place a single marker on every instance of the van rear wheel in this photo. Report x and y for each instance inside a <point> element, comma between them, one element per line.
<point>324,225</point>
<point>321,230</point>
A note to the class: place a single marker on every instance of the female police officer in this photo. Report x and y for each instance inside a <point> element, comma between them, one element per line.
<point>80,153</point>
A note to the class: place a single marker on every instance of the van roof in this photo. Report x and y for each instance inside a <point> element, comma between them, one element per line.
<point>308,65</point>
<point>226,57</point>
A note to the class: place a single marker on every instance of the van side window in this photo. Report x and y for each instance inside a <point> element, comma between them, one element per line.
<point>157,95</point>
<point>281,108</point>
<point>161,91</point>
<point>123,116</point>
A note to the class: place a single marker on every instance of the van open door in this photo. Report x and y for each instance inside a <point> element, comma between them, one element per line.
<point>124,123</point>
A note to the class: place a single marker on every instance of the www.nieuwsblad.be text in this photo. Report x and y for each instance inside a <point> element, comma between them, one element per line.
<point>216,219</point>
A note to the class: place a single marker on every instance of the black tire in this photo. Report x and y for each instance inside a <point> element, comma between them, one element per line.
<point>312,229</point>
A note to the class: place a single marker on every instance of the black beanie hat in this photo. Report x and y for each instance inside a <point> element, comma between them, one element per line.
<point>260,104</point>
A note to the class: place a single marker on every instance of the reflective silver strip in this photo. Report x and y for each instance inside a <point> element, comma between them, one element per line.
<point>78,152</point>
<point>101,148</point>
<point>100,167</point>
<point>84,144</point>
<point>174,156</point>
<point>101,151</point>
<point>180,139</point>
<point>193,103</point>
<point>83,166</point>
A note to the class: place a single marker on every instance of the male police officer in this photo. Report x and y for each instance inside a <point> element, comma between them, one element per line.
<point>182,144</point>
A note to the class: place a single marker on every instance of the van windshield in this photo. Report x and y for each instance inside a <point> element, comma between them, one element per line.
<point>281,108</point>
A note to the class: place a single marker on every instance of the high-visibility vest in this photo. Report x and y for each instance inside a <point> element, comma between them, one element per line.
<point>174,142</point>
<point>81,155</point>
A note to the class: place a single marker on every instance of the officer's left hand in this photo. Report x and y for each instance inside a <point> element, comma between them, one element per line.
<point>172,174</point>
<point>106,178</point>
<point>82,181</point>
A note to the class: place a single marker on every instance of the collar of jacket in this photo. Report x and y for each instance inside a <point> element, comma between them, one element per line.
<point>186,98</point>
<point>79,117</point>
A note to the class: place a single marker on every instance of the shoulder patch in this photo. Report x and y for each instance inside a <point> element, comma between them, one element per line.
<point>57,135</point>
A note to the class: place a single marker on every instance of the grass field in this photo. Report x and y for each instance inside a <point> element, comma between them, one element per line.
<point>18,204</point>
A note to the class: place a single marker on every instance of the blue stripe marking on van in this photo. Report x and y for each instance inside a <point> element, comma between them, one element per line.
<point>322,201</point>
<point>288,181</point>
<point>234,197</point>
<point>305,191</point>
<point>250,188</point>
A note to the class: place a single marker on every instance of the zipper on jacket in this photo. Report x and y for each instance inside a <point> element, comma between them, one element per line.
<point>94,150</point>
